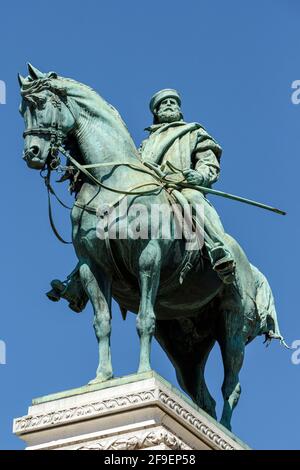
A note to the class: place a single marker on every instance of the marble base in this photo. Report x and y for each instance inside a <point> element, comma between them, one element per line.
<point>136,412</point>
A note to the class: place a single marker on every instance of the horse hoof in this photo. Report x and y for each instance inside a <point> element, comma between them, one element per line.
<point>226,425</point>
<point>100,378</point>
<point>141,370</point>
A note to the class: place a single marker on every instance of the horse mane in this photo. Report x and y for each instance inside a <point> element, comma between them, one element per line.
<point>85,97</point>
<point>88,99</point>
<point>88,102</point>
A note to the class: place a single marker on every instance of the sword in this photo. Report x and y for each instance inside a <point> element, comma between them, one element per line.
<point>234,198</point>
<point>223,194</point>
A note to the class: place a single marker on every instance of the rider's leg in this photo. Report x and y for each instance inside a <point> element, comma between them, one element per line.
<point>214,236</point>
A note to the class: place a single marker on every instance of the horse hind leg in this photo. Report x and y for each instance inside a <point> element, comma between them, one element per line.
<point>232,348</point>
<point>149,274</point>
<point>203,397</point>
<point>98,289</point>
<point>191,377</point>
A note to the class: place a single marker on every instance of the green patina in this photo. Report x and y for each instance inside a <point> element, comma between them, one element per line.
<point>187,299</point>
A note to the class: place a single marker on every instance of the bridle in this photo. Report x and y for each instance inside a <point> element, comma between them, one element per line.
<point>57,137</point>
<point>54,132</point>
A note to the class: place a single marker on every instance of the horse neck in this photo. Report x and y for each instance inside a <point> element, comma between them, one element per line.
<point>104,140</point>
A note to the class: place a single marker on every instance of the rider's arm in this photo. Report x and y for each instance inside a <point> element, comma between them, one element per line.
<point>208,166</point>
<point>206,158</point>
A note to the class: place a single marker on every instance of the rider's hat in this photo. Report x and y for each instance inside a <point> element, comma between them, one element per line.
<point>161,95</point>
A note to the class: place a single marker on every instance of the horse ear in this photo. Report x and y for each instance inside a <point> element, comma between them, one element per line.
<point>52,75</point>
<point>22,80</point>
<point>34,72</point>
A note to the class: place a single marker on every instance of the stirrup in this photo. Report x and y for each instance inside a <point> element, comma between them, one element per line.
<point>225,269</point>
<point>187,267</point>
<point>55,293</point>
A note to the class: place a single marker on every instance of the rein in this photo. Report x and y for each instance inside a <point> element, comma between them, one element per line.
<point>50,191</point>
<point>54,164</point>
<point>83,169</point>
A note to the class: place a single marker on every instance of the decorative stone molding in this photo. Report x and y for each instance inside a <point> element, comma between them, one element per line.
<point>151,439</point>
<point>129,413</point>
<point>33,422</point>
<point>195,422</point>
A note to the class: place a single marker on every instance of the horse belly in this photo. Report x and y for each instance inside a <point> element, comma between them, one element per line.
<point>197,290</point>
<point>175,301</point>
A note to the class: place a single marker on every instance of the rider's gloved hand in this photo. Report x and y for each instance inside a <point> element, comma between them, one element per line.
<point>193,177</point>
<point>155,167</point>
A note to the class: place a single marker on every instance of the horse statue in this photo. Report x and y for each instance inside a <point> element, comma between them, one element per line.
<point>141,274</point>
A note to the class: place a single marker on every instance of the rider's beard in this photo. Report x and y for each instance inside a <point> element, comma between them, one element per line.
<point>168,116</point>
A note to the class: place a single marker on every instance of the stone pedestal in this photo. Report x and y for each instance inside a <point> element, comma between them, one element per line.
<point>140,411</point>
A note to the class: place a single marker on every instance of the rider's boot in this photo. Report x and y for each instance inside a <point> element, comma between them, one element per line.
<point>223,263</point>
<point>71,290</point>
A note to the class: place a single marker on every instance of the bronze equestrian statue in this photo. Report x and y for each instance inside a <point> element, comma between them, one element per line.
<point>187,298</point>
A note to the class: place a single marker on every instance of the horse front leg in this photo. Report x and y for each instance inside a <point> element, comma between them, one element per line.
<point>232,348</point>
<point>98,289</point>
<point>149,275</point>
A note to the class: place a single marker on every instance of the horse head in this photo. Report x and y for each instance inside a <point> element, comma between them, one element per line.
<point>47,115</point>
<point>58,109</point>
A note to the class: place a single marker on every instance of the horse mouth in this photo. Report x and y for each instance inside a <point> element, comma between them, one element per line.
<point>34,163</point>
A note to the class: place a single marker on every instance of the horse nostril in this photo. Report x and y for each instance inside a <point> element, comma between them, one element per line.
<point>34,150</point>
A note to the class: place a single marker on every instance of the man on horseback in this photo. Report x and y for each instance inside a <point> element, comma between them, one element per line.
<point>191,150</point>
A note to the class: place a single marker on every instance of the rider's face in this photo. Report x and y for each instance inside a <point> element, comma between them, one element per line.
<point>168,110</point>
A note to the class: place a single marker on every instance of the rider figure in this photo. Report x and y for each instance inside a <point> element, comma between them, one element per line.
<point>192,150</point>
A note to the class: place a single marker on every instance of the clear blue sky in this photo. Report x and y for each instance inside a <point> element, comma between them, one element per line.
<point>233,63</point>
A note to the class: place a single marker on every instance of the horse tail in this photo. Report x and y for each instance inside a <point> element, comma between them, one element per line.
<point>266,309</point>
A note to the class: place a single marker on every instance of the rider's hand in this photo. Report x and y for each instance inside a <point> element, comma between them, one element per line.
<point>193,177</point>
<point>155,167</point>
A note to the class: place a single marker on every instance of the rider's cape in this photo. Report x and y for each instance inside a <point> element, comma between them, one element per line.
<point>177,142</point>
